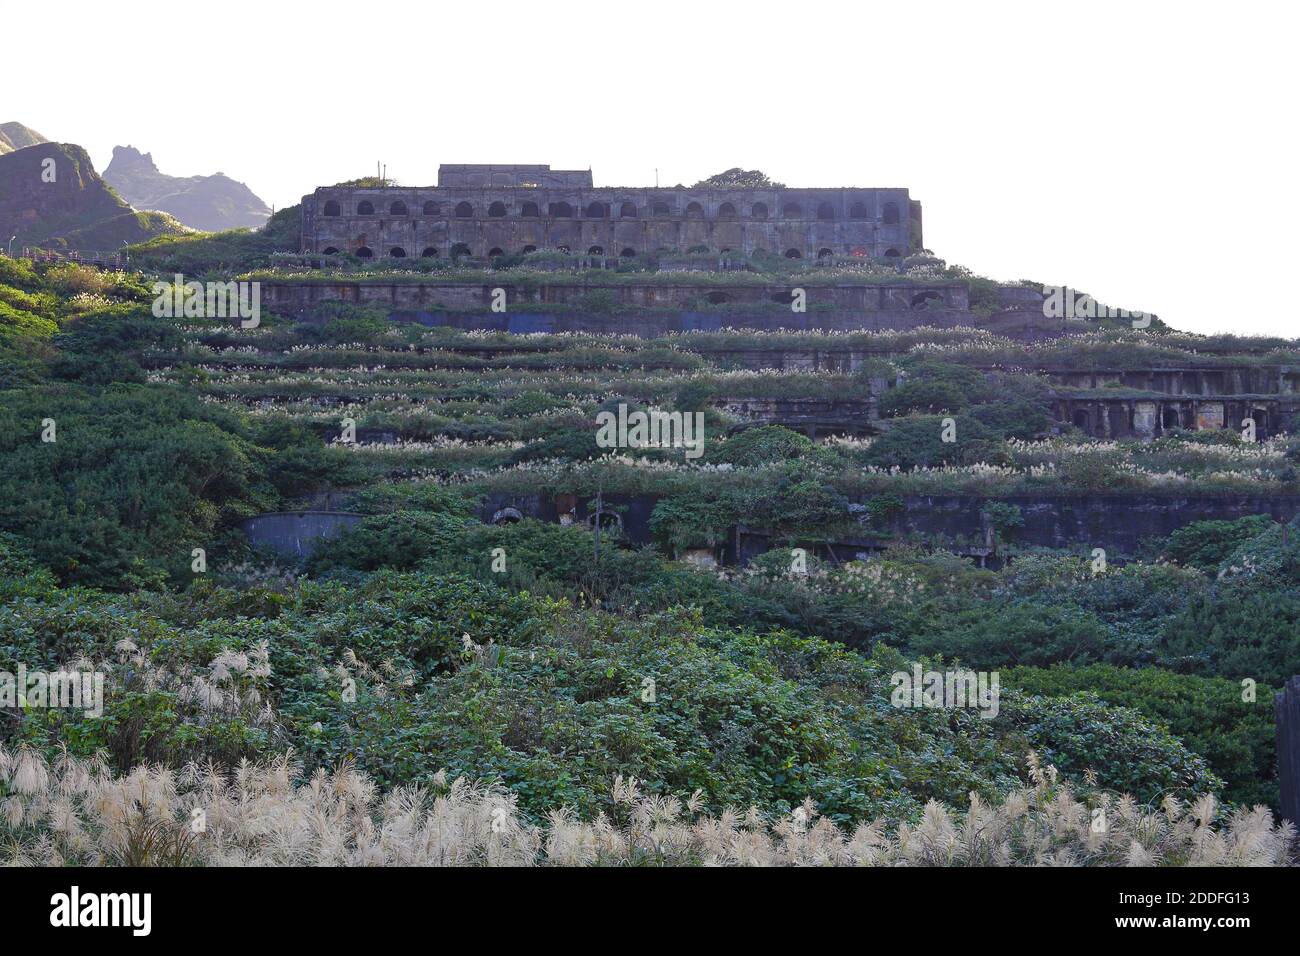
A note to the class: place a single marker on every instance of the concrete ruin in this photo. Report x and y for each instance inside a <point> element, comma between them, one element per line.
<point>483,211</point>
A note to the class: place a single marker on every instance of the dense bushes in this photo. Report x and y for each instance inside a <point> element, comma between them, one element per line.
<point>134,479</point>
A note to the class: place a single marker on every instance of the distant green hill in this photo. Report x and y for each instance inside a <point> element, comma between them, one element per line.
<point>14,136</point>
<point>64,204</point>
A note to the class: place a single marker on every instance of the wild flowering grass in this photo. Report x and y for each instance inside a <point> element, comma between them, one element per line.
<point>71,811</point>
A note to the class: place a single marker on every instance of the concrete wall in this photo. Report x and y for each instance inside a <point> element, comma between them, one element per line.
<point>1118,523</point>
<point>296,534</point>
<point>512,208</point>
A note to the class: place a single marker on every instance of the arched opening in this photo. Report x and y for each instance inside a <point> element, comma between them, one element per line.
<point>858,211</point>
<point>793,254</point>
<point>1169,418</point>
<point>430,252</point>
<point>563,250</point>
<point>397,208</point>
<point>507,516</point>
<point>627,210</point>
<point>529,210</point>
<point>497,210</point>
<point>891,254</point>
<point>1083,421</point>
<point>459,251</point>
<point>464,210</point>
<point>364,253</point>
<point>792,210</point>
<point>527,249</point>
<point>1260,418</point>
<point>494,252</point>
<point>726,211</point>
<point>758,210</point>
<point>825,211</point>
<point>596,210</point>
<point>823,253</point>
<point>596,251</point>
<point>432,209</point>
<point>891,213</point>
<point>330,251</point>
<point>628,253</point>
<point>717,298</point>
<point>694,211</point>
<point>365,208</point>
<point>661,209</point>
<point>397,252</point>
<point>331,208</point>
<point>922,299</point>
<point>561,210</point>
<point>608,519</point>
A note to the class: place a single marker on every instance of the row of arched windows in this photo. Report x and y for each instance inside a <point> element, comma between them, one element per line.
<point>460,249</point>
<point>599,210</point>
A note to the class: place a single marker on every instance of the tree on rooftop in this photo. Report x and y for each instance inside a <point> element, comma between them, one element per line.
<point>743,178</point>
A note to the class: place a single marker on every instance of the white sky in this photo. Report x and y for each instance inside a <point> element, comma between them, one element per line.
<point>1141,151</point>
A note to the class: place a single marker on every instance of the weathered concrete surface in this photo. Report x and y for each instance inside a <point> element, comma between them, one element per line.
<point>1117,523</point>
<point>920,299</point>
<point>297,533</point>
<point>497,210</point>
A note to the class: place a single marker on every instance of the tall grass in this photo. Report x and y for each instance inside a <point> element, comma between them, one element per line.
<point>71,811</point>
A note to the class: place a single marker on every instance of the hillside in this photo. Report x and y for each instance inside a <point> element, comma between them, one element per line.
<point>15,136</point>
<point>75,209</point>
<point>210,203</point>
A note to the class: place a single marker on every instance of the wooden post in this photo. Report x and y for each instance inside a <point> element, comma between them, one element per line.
<point>1286,712</point>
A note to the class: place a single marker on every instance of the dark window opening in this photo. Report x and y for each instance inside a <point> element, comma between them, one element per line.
<point>561,210</point>
<point>397,208</point>
<point>628,253</point>
<point>460,250</point>
<point>331,209</point>
<point>627,210</point>
<point>792,210</point>
<point>529,210</point>
<point>661,209</point>
<point>364,252</point>
<point>823,253</point>
<point>497,210</point>
<point>726,211</point>
<point>694,211</point>
<point>365,208</point>
<point>596,210</point>
<point>464,211</point>
<point>397,252</point>
<point>891,213</point>
<point>596,251</point>
<point>825,211</point>
<point>758,211</point>
<point>858,211</point>
<point>430,252</point>
<point>432,209</point>
<point>793,254</point>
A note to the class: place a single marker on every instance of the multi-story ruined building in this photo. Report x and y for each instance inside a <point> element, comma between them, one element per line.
<point>485,211</point>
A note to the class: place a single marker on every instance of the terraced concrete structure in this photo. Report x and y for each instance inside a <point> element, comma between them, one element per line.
<point>490,210</point>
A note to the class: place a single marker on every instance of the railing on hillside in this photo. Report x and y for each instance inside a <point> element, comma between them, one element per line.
<point>1286,713</point>
<point>99,260</point>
